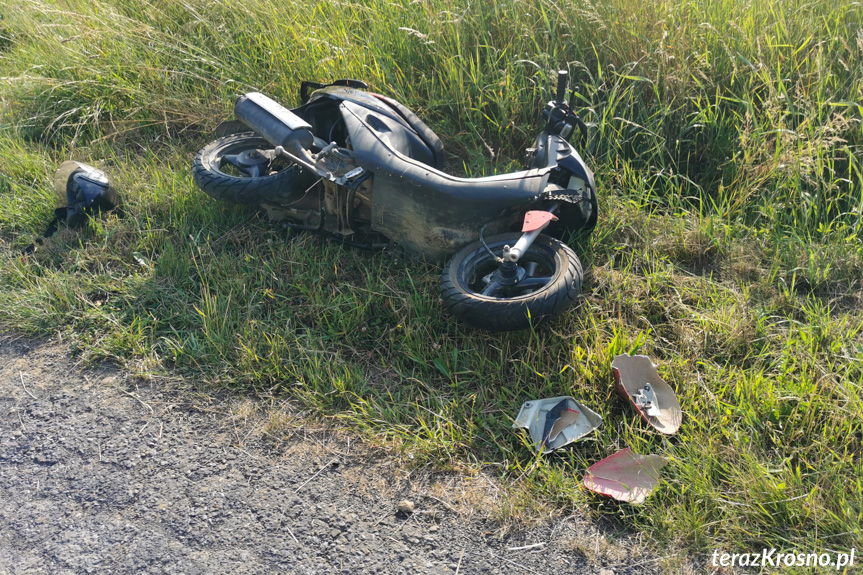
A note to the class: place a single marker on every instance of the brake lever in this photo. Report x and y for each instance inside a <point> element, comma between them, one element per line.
<point>582,127</point>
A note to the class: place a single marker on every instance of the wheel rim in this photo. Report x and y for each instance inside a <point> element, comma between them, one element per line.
<point>536,269</point>
<point>251,158</point>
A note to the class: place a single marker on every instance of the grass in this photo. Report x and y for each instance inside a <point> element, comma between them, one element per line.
<point>726,137</point>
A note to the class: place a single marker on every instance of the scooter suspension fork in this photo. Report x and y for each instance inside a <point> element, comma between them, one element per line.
<point>534,223</point>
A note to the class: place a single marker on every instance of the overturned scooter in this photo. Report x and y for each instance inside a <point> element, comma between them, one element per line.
<point>364,168</point>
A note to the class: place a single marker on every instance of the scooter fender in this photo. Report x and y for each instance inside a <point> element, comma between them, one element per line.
<point>428,212</point>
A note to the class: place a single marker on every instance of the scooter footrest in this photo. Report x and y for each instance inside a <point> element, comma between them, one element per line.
<point>568,198</point>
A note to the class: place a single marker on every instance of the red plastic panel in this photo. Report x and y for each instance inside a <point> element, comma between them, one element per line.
<point>536,220</point>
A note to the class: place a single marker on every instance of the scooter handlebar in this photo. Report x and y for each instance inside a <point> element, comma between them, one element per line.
<point>562,81</point>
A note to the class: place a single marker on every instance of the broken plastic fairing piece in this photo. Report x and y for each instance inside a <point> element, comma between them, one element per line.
<point>555,422</point>
<point>658,405</point>
<point>625,476</point>
<point>537,220</point>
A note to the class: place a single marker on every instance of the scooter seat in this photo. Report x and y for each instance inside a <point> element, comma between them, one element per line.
<point>425,133</point>
<point>427,147</point>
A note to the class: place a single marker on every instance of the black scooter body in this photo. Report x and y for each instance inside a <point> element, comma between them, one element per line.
<point>362,167</point>
<point>414,203</point>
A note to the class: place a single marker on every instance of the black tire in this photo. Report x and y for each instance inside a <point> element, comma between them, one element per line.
<point>270,179</point>
<point>517,307</point>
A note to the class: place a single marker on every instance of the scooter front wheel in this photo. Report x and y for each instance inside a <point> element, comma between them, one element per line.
<point>245,169</point>
<point>549,281</point>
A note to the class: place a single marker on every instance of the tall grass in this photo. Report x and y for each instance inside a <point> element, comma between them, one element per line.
<point>726,139</point>
<point>720,105</point>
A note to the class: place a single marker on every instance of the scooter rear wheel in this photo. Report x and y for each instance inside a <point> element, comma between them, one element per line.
<point>550,281</point>
<point>244,169</point>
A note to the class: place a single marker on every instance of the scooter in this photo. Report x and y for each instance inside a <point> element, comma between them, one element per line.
<point>362,167</point>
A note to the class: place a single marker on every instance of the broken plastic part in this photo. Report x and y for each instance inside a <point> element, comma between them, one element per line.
<point>625,476</point>
<point>555,422</point>
<point>536,220</point>
<point>640,383</point>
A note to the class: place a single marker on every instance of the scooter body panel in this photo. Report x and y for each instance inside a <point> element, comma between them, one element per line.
<point>423,209</point>
<point>415,204</point>
<point>572,174</point>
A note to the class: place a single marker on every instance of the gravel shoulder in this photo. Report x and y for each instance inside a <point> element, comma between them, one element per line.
<point>101,472</point>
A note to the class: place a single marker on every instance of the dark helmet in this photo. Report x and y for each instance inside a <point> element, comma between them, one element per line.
<point>81,190</point>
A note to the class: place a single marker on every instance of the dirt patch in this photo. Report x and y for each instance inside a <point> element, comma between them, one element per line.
<point>104,473</point>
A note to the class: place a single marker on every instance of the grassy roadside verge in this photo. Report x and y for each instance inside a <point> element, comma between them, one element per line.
<point>726,140</point>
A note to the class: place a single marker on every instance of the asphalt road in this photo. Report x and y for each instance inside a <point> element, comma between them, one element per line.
<point>104,473</point>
